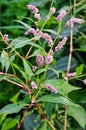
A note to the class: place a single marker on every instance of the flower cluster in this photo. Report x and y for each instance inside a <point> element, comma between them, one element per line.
<point>37,16</point>
<point>61,15</point>
<point>31,30</point>
<point>5,38</point>
<point>45,36</point>
<point>70,75</point>
<point>52,10</point>
<point>40,60</point>
<point>84,81</point>
<point>34,68</point>
<point>35,10</point>
<point>49,86</point>
<point>61,44</point>
<point>34,86</point>
<point>71,21</point>
<point>48,59</point>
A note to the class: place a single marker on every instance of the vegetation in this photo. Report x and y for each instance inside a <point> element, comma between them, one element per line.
<point>42,65</point>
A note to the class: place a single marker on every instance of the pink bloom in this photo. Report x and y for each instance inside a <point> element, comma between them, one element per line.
<point>5,38</point>
<point>37,16</point>
<point>33,8</point>
<point>70,75</point>
<point>34,86</point>
<point>34,68</point>
<point>74,20</point>
<point>52,10</point>
<point>40,60</point>
<point>61,15</point>
<point>47,38</point>
<point>49,86</point>
<point>48,59</point>
<point>61,44</point>
<point>31,30</point>
<point>84,81</point>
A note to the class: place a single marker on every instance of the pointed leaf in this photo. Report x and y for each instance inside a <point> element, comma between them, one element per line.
<point>11,108</point>
<point>22,41</point>
<point>61,86</point>
<point>27,69</point>
<point>22,72</point>
<point>55,99</point>
<point>15,97</point>
<point>10,123</point>
<point>2,117</point>
<point>40,71</point>
<point>78,113</point>
<point>79,69</point>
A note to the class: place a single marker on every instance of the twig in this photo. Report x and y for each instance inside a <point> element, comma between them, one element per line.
<point>19,85</point>
<point>44,116</point>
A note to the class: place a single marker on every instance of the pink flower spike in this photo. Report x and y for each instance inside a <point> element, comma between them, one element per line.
<point>48,59</point>
<point>61,15</point>
<point>61,44</point>
<point>34,86</point>
<point>47,37</point>
<point>52,10</point>
<point>37,16</point>
<point>74,20</point>
<point>31,30</point>
<point>34,68</point>
<point>33,8</point>
<point>40,60</point>
<point>49,86</point>
<point>5,38</point>
<point>84,81</point>
<point>71,74</point>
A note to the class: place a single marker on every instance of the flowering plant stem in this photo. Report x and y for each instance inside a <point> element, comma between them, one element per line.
<point>68,70</point>
<point>36,104</point>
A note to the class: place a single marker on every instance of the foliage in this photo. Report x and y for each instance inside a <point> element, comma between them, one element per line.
<point>42,75</point>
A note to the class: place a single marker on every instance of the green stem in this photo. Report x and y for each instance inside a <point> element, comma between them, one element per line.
<point>48,17</point>
<point>59,29</point>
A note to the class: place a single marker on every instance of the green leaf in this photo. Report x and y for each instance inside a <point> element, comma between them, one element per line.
<point>61,86</point>
<point>55,99</point>
<point>22,72</point>
<point>79,69</point>
<point>50,31</point>
<point>2,117</point>
<point>40,71</point>
<point>10,123</point>
<point>81,8</point>
<point>24,24</point>
<point>38,51</point>
<point>22,41</point>
<point>78,113</point>
<point>27,69</point>
<point>11,108</point>
<point>15,97</point>
<point>5,60</point>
